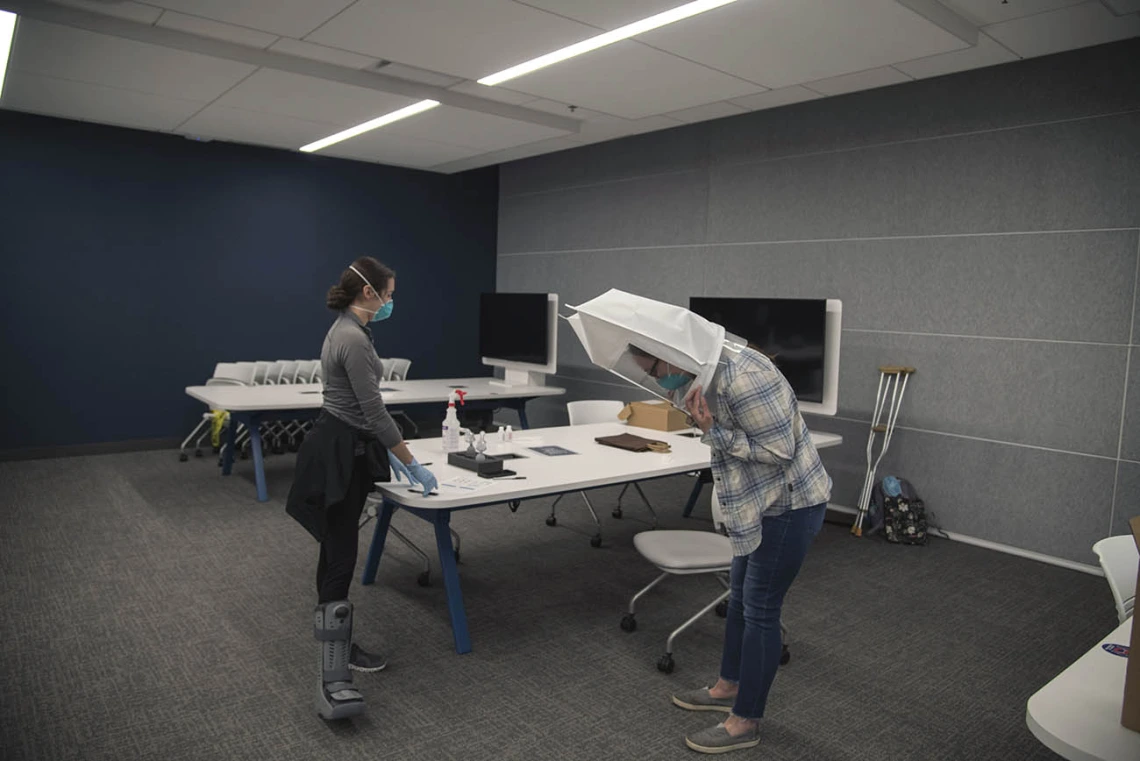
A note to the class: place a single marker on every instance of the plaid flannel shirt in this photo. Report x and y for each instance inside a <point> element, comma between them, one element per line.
<point>763,459</point>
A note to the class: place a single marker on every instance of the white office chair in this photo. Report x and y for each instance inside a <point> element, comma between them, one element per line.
<point>397,369</point>
<point>225,374</point>
<point>687,553</point>
<point>1119,559</point>
<point>585,413</point>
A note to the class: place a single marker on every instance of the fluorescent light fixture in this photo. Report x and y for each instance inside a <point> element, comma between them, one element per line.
<point>607,38</point>
<point>7,32</point>
<point>379,121</point>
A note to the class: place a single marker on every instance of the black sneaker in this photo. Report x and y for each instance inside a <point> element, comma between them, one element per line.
<point>360,659</point>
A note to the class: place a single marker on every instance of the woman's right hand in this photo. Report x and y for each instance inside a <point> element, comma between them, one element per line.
<point>423,476</point>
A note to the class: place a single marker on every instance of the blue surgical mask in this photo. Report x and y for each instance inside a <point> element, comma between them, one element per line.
<point>384,312</point>
<point>673,381</point>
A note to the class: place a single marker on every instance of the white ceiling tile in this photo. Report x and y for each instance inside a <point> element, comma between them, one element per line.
<point>1121,7</point>
<point>144,14</point>
<point>471,129</point>
<point>632,80</point>
<point>204,27</point>
<point>983,12</point>
<point>469,38</point>
<point>288,18</point>
<point>414,74</point>
<point>716,110</point>
<point>384,147</point>
<point>564,109</point>
<point>66,53</point>
<point>860,80</point>
<point>612,127</point>
<point>777,43</point>
<point>501,94</point>
<point>241,126</point>
<point>318,100</point>
<point>985,53</point>
<point>1076,27</point>
<point>510,154</point>
<point>606,14</point>
<point>324,54</point>
<point>94,103</point>
<point>774,98</point>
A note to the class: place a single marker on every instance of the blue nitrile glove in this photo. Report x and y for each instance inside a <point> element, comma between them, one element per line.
<point>399,469</point>
<point>423,476</point>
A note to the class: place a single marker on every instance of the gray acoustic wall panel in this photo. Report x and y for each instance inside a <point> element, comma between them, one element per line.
<point>984,227</point>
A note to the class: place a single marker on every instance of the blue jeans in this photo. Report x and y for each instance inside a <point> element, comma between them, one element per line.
<point>752,641</point>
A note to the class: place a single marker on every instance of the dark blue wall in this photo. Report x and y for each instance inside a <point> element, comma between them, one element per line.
<point>133,261</point>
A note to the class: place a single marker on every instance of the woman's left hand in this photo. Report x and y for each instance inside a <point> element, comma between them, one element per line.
<point>698,409</point>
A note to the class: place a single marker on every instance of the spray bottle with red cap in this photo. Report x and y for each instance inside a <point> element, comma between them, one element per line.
<point>451,422</point>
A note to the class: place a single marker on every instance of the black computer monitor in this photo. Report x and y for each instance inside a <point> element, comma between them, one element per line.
<point>791,331</point>
<point>515,328</point>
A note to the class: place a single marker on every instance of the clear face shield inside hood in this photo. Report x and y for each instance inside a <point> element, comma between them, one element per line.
<point>662,348</point>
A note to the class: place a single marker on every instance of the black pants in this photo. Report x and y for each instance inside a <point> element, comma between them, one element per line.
<point>338,551</point>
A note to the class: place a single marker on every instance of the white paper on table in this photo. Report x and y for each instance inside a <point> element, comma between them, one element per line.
<point>467,483</point>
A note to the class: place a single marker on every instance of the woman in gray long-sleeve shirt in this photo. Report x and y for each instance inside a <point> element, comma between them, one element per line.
<point>351,445</point>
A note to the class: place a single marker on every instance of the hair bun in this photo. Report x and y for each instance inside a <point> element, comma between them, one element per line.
<point>337,298</point>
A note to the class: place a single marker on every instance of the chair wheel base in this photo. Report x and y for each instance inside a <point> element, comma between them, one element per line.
<point>197,452</point>
<point>628,623</point>
<point>183,457</point>
<point>665,664</point>
<point>552,521</point>
<point>617,513</point>
<point>722,608</point>
<point>785,656</point>
<point>424,579</point>
<point>596,540</point>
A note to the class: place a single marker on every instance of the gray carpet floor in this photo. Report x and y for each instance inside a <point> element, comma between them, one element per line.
<point>154,610</point>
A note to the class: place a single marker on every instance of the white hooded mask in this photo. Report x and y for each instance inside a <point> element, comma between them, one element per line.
<point>613,326</point>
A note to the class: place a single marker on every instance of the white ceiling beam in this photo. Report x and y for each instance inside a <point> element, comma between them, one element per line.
<point>170,38</point>
<point>944,18</point>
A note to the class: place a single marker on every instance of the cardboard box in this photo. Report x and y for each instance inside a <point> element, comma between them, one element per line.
<point>660,416</point>
<point>1130,714</point>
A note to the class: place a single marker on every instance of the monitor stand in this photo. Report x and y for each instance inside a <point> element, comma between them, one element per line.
<point>515,378</point>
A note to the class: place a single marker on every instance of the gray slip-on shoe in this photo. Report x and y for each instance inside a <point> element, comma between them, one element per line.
<point>700,700</point>
<point>718,740</point>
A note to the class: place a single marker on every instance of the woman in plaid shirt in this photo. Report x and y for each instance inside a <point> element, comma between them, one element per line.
<point>773,491</point>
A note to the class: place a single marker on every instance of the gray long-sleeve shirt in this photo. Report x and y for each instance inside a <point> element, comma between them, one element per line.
<point>352,373</point>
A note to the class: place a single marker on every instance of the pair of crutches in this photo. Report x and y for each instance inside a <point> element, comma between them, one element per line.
<point>892,384</point>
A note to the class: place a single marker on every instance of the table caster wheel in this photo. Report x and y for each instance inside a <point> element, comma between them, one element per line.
<point>514,505</point>
<point>183,457</point>
<point>628,623</point>
<point>665,664</point>
<point>596,540</point>
<point>785,656</point>
<point>617,513</point>
<point>722,608</point>
<point>552,521</point>
<point>197,452</point>
<point>424,579</point>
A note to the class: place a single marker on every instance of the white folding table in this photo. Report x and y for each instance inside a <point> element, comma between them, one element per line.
<point>591,466</point>
<point>252,404</point>
<point>1077,715</point>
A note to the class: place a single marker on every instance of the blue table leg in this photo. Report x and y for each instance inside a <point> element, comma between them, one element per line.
<point>521,407</point>
<point>231,445</point>
<point>442,520</point>
<point>379,537</point>
<point>258,461</point>
<point>696,492</point>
